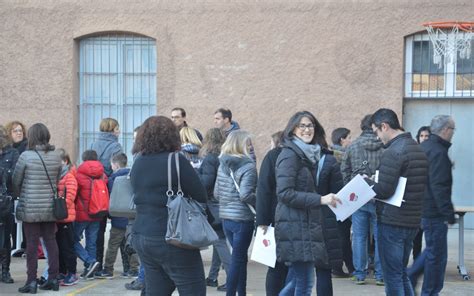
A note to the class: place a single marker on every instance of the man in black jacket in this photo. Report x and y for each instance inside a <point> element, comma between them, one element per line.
<point>438,209</point>
<point>397,226</point>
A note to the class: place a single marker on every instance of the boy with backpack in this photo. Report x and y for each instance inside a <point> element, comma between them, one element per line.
<point>92,204</point>
<point>119,226</point>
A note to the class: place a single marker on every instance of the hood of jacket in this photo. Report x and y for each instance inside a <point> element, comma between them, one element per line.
<point>190,148</point>
<point>105,136</point>
<point>234,162</point>
<point>234,125</point>
<point>91,168</point>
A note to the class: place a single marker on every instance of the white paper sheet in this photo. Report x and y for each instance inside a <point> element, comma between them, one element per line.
<point>354,195</point>
<point>397,197</point>
<point>264,247</point>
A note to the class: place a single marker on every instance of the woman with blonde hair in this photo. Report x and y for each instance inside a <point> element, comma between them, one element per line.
<point>235,189</point>
<point>190,146</point>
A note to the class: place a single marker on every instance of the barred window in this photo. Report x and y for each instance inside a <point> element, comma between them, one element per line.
<point>425,79</point>
<point>117,78</point>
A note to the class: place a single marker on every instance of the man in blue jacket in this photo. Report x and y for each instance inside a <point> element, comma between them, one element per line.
<point>438,210</point>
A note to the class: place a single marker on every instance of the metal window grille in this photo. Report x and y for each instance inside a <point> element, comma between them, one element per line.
<point>424,79</point>
<point>117,78</point>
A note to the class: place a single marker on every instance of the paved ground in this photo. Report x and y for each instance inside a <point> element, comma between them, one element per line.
<point>454,284</point>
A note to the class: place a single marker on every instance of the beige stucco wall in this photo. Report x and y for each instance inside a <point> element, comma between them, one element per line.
<point>262,59</point>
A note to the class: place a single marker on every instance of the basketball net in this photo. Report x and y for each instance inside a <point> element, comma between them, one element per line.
<point>448,41</point>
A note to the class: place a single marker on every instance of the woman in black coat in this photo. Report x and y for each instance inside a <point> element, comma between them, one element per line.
<point>8,159</point>
<point>208,173</point>
<point>167,267</point>
<point>300,216</point>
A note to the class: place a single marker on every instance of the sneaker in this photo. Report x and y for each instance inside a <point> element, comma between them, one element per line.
<point>41,281</point>
<point>129,274</point>
<point>211,282</point>
<point>18,253</point>
<point>135,285</point>
<point>103,274</point>
<point>61,277</point>
<point>70,280</point>
<point>222,288</point>
<point>359,281</point>
<point>89,271</point>
<point>379,282</point>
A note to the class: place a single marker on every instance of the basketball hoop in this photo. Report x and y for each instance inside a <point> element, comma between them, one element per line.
<point>449,38</point>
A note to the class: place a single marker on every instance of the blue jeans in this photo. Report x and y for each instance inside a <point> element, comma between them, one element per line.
<point>87,254</point>
<point>141,274</point>
<point>168,267</point>
<point>395,244</point>
<point>300,280</point>
<point>362,220</point>
<point>433,259</point>
<point>239,234</point>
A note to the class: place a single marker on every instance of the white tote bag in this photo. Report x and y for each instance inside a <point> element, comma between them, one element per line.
<point>264,247</point>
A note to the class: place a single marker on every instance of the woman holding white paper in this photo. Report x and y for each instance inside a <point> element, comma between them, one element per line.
<point>300,214</point>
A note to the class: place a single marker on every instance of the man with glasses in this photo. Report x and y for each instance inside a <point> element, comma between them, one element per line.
<point>397,226</point>
<point>438,210</point>
<point>178,115</point>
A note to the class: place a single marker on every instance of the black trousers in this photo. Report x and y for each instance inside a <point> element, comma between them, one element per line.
<point>344,229</point>
<point>276,278</point>
<point>6,247</point>
<point>67,254</point>
<point>100,241</point>
<point>417,243</point>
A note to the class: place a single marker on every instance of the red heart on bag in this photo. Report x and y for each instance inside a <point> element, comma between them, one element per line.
<point>353,197</point>
<point>266,242</point>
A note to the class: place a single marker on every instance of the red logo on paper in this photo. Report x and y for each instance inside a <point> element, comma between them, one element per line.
<point>266,242</point>
<point>353,197</point>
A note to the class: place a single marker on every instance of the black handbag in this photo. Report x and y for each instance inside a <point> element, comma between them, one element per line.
<point>59,203</point>
<point>187,227</point>
<point>5,199</point>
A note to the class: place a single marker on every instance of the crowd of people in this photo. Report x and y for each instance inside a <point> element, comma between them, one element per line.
<point>297,182</point>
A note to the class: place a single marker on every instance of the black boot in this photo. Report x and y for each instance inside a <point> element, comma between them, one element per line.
<point>29,288</point>
<point>6,277</point>
<point>50,285</point>
<point>5,260</point>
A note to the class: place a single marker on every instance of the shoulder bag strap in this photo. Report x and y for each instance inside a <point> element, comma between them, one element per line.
<point>105,149</point>
<point>170,192</point>
<point>46,170</point>
<point>252,209</point>
<point>176,158</point>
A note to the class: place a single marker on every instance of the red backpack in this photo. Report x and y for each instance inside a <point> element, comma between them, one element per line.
<point>99,199</point>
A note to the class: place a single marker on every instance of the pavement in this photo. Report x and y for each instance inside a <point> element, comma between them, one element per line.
<point>454,284</point>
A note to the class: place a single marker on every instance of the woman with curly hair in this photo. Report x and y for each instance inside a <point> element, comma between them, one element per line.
<point>17,133</point>
<point>167,267</point>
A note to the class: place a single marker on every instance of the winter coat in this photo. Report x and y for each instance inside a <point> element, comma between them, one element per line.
<point>68,182</point>
<point>403,157</point>
<point>234,126</point>
<point>298,216</point>
<point>208,174</point>
<point>437,199</point>
<point>338,152</point>
<point>88,170</point>
<point>362,156</point>
<point>106,146</point>
<point>266,189</point>
<point>31,184</point>
<point>233,203</point>
<point>8,159</point>
<point>117,222</point>
<point>150,189</point>
<point>330,181</point>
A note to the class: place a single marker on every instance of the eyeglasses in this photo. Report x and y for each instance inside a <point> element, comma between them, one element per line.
<point>302,126</point>
<point>453,128</point>
<point>18,131</point>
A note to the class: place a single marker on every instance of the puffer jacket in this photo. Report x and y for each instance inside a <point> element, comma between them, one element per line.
<point>191,152</point>
<point>88,170</point>
<point>298,217</point>
<point>106,146</point>
<point>68,184</point>
<point>330,181</point>
<point>403,157</point>
<point>362,156</point>
<point>233,203</point>
<point>207,174</point>
<point>31,184</point>
<point>8,158</point>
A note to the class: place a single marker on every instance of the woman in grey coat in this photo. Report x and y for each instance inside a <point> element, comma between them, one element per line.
<point>235,189</point>
<point>299,216</point>
<point>31,183</point>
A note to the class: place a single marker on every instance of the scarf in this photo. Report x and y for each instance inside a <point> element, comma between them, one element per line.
<point>311,151</point>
